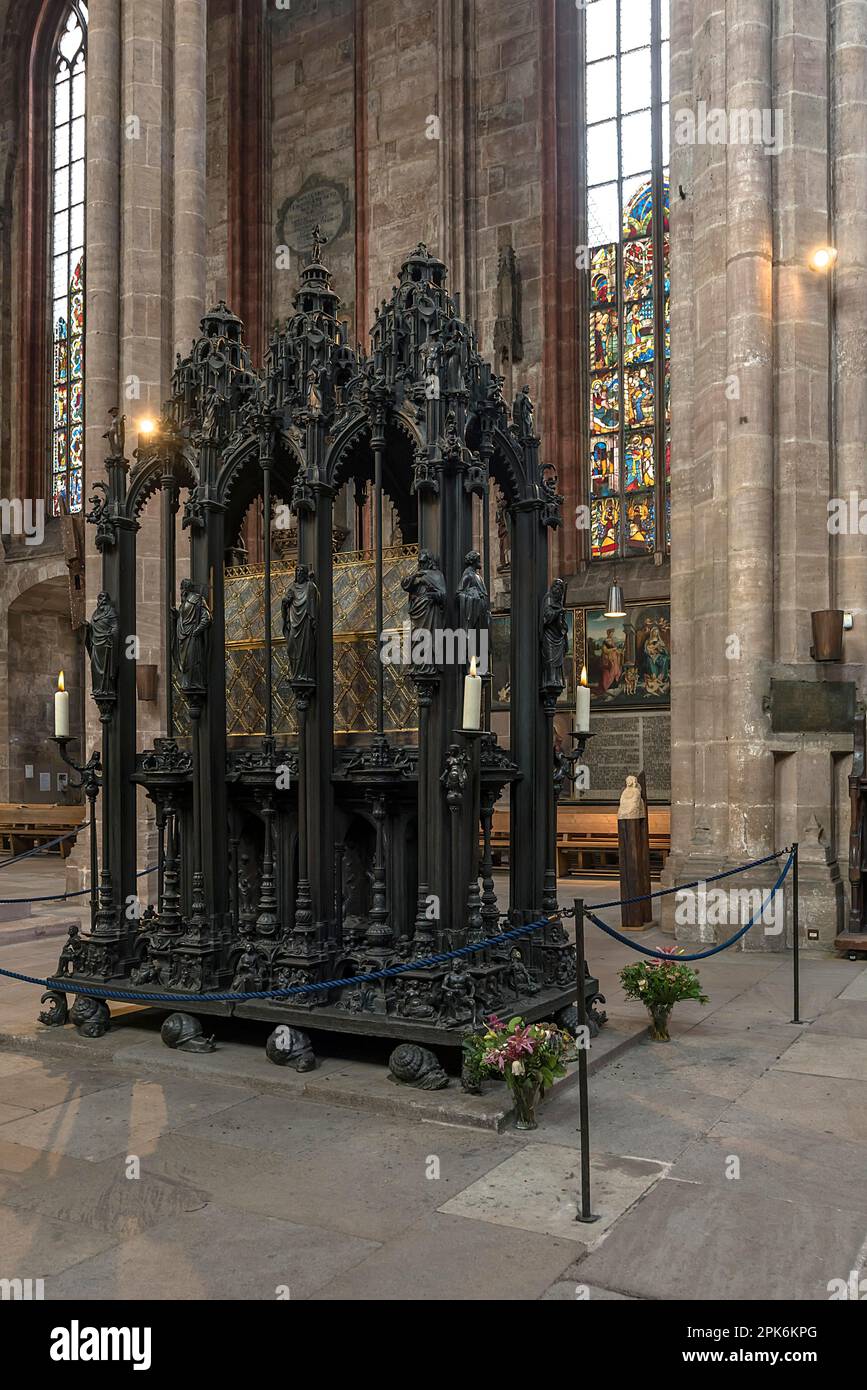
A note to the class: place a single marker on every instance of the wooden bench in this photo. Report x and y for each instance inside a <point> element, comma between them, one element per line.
<point>587,838</point>
<point>24,826</point>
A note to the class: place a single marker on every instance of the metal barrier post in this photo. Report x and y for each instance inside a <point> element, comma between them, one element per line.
<point>796,941</point>
<point>584,1213</point>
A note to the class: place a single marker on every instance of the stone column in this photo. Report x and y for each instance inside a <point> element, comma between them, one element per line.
<point>749,436</point>
<point>849,342</point>
<point>804,480</point>
<point>850,295</point>
<point>752,458</point>
<point>145,304</point>
<point>699,555</point>
<point>190,261</point>
<point>682,449</point>
<point>806,766</point>
<point>146,332</point>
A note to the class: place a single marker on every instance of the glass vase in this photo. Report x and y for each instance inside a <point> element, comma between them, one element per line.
<point>659,1016</point>
<point>525,1094</point>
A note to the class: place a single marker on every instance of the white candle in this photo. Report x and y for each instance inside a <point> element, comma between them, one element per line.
<point>61,710</point>
<point>472,698</point>
<point>582,705</point>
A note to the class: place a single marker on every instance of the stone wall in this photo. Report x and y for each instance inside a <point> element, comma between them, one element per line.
<point>438,105</point>
<point>312,143</point>
<point>508,94</point>
<point>404,190</point>
<point>219,57</point>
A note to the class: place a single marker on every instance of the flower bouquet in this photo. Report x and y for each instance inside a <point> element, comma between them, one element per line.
<point>659,985</point>
<point>527,1056</point>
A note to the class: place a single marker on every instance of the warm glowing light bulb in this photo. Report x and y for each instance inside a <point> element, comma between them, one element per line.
<point>823,258</point>
<point>146,425</point>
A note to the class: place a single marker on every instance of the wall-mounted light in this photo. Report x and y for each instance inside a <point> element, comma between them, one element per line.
<point>615,607</point>
<point>146,682</point>
<point>827,624</point>
<point>848,621</point>
<point>823,258</point>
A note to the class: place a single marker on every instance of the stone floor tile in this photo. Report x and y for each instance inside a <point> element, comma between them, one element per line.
<point>537,1189</point>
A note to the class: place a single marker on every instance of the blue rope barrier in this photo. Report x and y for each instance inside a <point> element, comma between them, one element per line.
<point>40,849</point>
<point>714,950</point>
<point>663,892</point>
<point>63,985</point>
<point>66,986</point>
<point>62,897</point>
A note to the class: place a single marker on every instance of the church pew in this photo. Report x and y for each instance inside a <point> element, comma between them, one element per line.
<point>23,826</point>
<point>587,837</point>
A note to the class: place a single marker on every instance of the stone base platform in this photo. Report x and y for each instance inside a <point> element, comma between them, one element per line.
<point>332,1018</point>
<point>350,1072</point>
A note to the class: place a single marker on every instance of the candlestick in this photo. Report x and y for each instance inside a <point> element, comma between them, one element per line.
<point>472,717</point>
<point>580,739</point>
<point>582,704</point>
<point>61,709</point>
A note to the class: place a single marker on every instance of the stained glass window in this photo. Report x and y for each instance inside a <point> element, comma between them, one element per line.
<point>627,66</point>
<point>67,261</point>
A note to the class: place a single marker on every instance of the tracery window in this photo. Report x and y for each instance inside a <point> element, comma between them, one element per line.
<point>627,151</point>
<point>67,164</point>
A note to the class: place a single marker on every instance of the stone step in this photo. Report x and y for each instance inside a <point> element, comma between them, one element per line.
<point>133,1045</point>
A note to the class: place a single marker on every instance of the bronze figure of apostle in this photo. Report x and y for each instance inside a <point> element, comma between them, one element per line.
<point>426,588</point>
<point>192,637</point>
<point>427,594</point>
<point>102,640</point>
<point>300,611</point>
<point>554,635</point>
<point>473,604</point>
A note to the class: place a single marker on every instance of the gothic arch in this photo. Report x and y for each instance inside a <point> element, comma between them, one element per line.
<point>146,480</point>
<point>16,582</point>
<point>239,482</point>
<point>18,579</point>
<point>242,460</point>
<point>351,457</point>
<point>508,468</point>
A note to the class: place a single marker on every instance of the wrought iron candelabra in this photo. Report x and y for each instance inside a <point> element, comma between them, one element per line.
<point>575,756</point>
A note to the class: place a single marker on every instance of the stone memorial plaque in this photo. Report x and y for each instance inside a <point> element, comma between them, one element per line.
<point>656,754</point>
<point>624,744</point>
<point>812,707</point>
<point>318,201</point>
<point>612,753</point>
